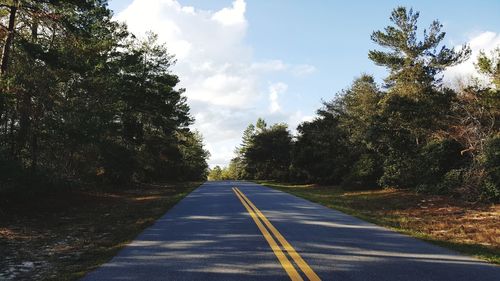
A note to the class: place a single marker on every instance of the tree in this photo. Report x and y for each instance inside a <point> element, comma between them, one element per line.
<point>339,146</point>
<point>268,154</point>
<point>260,125</point>
<point>490,66</point>
<point>359,111</point>
<point>194,165</point>
<point>415,106</point>
<point>360,121</point>
<point>9,38</point>
<point>413,64</point>
<point>248,134</point>
<point>319,153</point>
<point>215,173</point>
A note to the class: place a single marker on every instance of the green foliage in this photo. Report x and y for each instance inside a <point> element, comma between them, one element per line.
<point>358,111</point>
<point>439,163</point>
<point>413,64</point>
<point>265,153</point>
<point>193,165</point>
<point>84,100</point>
<point>215,173</point>
<point>320,152</point>
<point>414,107</point>
<point>491,162</point>
<point>364,172</point>
<point>399,170</point>
<point>268,154</point>
<point>450,182</point>
<point>490,66</point>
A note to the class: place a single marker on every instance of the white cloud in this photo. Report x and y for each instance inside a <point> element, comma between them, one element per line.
<point>278,65</point>
<point>225,85</point>
<point>484,41</point>
<point>224,89</point>
<point>275,90</point>
<point>232,16</point>
<point>303,70</point>
<point>269,66</point>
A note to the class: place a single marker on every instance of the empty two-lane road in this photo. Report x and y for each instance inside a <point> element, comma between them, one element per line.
<point>244,231</point>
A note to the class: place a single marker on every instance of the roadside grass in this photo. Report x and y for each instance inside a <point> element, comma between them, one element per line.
<point>469,228</point>
<point>63,235</point>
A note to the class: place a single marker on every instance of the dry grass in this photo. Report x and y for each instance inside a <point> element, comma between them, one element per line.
<point>472,228</point>
<point>61,236</point>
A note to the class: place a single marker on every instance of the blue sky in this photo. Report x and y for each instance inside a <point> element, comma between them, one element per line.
<point>279,58</point>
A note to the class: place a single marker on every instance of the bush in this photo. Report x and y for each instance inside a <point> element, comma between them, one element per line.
<point>451,181</point>
<point>491,161</point>
<point>490,190</point>
<point>437,161</point>
<point>399,170</point>
<point>364,172</point>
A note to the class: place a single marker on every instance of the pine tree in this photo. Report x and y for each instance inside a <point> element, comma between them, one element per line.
<point>413,65</point>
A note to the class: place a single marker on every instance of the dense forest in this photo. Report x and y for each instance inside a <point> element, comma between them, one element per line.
<point>410,132</point>
<point>82,100</point>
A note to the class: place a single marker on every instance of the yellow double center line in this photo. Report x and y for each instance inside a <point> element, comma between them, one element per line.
<point>260,220</point>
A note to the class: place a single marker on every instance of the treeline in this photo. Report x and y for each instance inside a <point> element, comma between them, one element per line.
<point>84,100</point>
<point>410,132</point>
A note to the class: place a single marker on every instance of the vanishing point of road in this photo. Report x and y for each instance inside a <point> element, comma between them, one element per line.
<point>232,230</point>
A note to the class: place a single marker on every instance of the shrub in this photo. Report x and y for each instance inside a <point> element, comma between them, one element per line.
<point>399,170</point>
<point>437,161</point>
<point>451,181</point>
<point>491,161</point>
<point>364,173</point>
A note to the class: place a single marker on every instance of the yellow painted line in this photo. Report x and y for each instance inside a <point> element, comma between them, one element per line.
<point>311,275</point>
<point>285,263</point>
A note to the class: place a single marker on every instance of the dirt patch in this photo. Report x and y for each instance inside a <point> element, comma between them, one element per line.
<point>442,217</point>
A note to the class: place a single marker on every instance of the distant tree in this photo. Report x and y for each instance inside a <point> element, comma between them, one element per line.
<point>236,168</point>
<point>320,153</point>
<point>268,155</point>
<point>340,144</point>
<point>215,173</point>
<point>193,165</point>
<point>248,134</point>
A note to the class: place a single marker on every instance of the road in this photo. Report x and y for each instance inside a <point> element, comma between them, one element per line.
<point>243,231</point>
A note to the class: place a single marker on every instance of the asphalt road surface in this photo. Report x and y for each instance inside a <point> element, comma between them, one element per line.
<point>243,231</point>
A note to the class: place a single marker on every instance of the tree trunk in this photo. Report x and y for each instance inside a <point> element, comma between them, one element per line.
<point>9,39</point>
